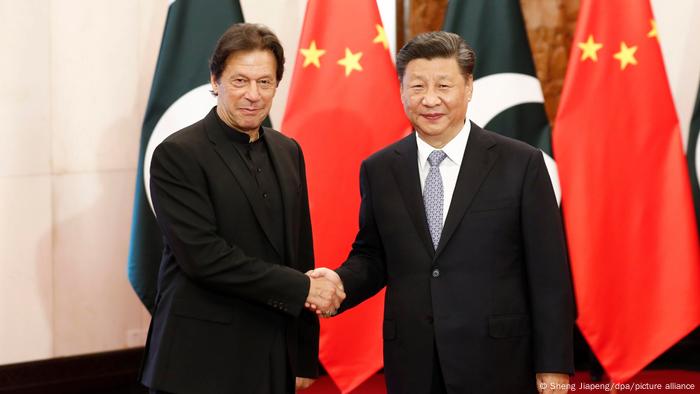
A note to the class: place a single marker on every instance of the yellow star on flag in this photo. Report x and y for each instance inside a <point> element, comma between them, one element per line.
<point>626,55</point>
<point>351,61</point>
<point>312,55</point>
<point>381,37</point>
<point>589,49</point>
<point>652,33</point>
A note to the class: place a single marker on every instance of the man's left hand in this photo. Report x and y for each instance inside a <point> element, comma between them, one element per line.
<point>552,383</point>
<point>304,383</point>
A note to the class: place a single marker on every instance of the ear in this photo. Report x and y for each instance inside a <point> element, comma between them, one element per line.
<point>214,84</point>
<point>403,95</point>
<point>470,87</point>
<point>401,89</point>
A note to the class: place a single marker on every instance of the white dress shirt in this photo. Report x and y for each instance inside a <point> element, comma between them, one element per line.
<point>449,167</point>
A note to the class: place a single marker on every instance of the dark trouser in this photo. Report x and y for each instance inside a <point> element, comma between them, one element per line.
<point>276,379</point>
<point>438,382</point>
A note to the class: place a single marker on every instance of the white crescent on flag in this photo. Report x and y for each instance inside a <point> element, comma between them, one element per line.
<point>189,108</point>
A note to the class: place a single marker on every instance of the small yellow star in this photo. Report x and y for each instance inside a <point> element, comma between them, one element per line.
<point>312,55</point>
<point>590,49</point>
<point>652,33</point>
<point>351,61</point>
<point>381,37</point>
<point>626,55</point>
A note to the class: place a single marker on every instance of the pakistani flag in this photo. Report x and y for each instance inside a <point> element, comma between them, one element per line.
<point>179,97</point>
<point>507,95</point>
<point>693,156</point>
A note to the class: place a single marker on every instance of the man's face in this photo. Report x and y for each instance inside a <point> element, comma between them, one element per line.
<point>246,88</point>
<point>435,96</point>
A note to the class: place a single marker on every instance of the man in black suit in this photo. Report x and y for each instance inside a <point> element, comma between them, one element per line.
<point>231,201</point>
<point>462,227</point>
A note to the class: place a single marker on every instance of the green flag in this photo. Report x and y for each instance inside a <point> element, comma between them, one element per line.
<point>693,156</point>
<point>179,97</point>
<point>507,94</point>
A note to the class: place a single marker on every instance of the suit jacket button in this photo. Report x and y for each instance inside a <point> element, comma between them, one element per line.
<point>436,272</point>
<point>429,319</point>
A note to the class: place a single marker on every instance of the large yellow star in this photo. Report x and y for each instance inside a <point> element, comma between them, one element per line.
<point>652,33</point>
<point>626,55</point>
<point>589,49</point>
<point>381,37</point>
<point>351,61</point>
<point>312,55</point>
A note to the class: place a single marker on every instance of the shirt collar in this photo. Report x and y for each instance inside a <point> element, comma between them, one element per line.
<point>237,135</point>
<point>454,149</point>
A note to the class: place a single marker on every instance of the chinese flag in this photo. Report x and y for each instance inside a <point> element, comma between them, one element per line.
<point>343,105</point>
<point>626,196</point>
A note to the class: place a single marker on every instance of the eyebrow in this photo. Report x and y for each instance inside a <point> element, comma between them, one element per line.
<point>239,75</point>
<point>438,77</point>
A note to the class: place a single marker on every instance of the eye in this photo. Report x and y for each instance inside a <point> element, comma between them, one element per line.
<point>265,83</point>
<point>239,82</point>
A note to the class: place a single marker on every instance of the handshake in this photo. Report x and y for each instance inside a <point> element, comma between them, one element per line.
<point>326,292</point>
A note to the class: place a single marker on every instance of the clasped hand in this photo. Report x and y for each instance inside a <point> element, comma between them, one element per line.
<point>326,292</point>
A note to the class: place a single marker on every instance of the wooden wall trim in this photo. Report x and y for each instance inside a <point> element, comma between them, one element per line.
<point>106,373</point>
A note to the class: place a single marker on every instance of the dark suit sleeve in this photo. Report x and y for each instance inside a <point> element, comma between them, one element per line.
<point>308,325</point>
<point>186,217</point>
<point>364,272</point>
<point>549,280</point>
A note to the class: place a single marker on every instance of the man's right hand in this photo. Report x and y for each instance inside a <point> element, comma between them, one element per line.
<point>325,294</point>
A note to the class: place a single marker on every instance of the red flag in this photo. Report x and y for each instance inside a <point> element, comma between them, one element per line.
<point>626,197</point>
<point>343,105</point>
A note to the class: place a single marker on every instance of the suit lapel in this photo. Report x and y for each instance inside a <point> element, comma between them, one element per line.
<point>230,155</point>
<point>405,169</point>
<point>288,177</point>
<point>478,161</point>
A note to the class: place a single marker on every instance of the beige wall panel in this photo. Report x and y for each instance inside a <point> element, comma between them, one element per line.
<point>95,306</point>
<point>152,17</point>
<point>95,74</point>
<point>678,27</point>
<point>24,77</point>
<point>26,310</point>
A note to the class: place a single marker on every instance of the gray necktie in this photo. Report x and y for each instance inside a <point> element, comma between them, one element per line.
<point>433,196</point>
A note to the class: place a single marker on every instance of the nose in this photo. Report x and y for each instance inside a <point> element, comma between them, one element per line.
<point>430,98</point>
<point>252,92</point>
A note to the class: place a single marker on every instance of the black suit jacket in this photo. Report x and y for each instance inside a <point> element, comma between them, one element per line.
<point>225,289</point>
<point>495,297</point>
